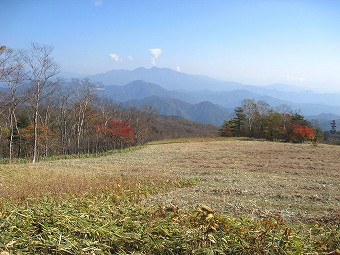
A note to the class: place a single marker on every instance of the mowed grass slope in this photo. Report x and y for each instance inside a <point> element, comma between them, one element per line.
<point>298,180</point>
<point>266,198</point>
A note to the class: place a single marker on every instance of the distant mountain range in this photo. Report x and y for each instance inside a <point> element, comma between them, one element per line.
<point>165,77</point>
<point>204,99</point>
<point>172,80</point>
<point>324,120</point>
<point>204,112</point>
<point>139,93</point>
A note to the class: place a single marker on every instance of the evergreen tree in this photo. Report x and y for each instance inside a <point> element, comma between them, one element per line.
<point>226,129</point>
<point>237,123</point>
<point>333,127</point>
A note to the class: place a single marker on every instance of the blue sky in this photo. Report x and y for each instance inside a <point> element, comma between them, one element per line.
<point>251,41</point>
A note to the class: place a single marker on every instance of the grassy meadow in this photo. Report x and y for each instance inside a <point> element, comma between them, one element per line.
<point>189,196</point>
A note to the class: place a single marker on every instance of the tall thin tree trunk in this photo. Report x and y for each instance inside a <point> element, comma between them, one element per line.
<point>35,123</point>
<point>11,126</point>
<point>46,131</point>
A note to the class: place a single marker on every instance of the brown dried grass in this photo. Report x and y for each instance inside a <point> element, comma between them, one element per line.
<point>235,177</point>
<point>255,177</point>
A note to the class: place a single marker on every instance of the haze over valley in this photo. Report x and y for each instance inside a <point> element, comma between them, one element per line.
<point>179,94</point>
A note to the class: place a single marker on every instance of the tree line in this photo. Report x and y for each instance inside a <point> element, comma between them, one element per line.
<point>258,119</point>
<point>40,115</point>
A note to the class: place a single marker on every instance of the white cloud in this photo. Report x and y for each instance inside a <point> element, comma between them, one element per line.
<point>155,52</point>
<point>97,2</point>
<point>130,58</point>
<point>115,57</point>
<point>295,78</point>
<point>178,69</point>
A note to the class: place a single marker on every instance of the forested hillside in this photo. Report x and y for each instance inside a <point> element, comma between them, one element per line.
<point>43,116</point>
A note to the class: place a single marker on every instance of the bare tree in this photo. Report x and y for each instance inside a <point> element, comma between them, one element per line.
<point>108,111</point>
<point>84,96</point>
<point>250,109</point>
<point>285,111</point>
<point>42,70</point>
<point>49,103</point>
<point>141,121</point>
<point>39,118</point>
<point>13,74</point>
<point>65,96</point>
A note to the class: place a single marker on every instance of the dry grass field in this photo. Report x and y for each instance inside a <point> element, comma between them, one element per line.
<point>234,177</point>
<point>237,178</point>
<point>297,180</point>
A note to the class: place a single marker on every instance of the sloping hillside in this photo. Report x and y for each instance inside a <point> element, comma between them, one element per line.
<point>230,196</point>
<point>204,112</point>
<point>169,127</point>
<point>134,90</point>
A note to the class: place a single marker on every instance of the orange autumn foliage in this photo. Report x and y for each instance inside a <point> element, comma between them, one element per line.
<point>302,133</point>
<point>28,132</point>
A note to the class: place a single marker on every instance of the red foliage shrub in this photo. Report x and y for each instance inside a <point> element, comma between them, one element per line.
<point>302,133</point>
<point>118,130</point>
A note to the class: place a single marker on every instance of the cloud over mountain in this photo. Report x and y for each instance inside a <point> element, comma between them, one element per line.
<point>115,57</point>
<point>155,52</point>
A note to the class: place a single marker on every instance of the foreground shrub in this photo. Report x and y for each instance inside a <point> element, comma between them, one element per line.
<point>103,224</point>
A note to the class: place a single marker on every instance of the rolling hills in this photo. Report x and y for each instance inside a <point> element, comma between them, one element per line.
<point>170,92</point>
<point>204,99</point>
<point>204,112</point>
<point>173,80</point>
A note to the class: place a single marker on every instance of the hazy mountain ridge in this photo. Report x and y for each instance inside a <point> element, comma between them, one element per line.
<point>165,77</point>
<point>228,99</point>
<point>134,90</point>
<point>302,96</point>
<point>204,112</point>
<point>324,120</point>
<point>172,80</point>
<point>172,93</point>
